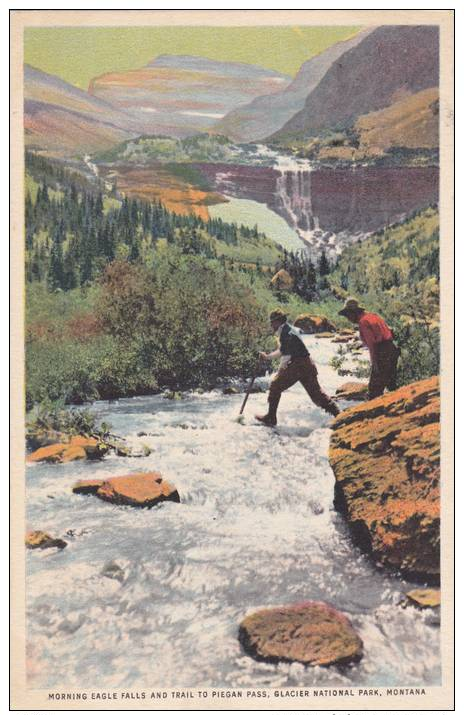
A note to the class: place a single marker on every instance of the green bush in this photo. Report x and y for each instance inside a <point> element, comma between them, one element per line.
<point>188,321</point>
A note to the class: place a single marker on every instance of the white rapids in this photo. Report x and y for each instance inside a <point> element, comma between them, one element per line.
<point>256,527</point>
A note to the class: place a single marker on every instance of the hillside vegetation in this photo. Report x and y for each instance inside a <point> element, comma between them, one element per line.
<point>396,273</point>
<point>125,297</point>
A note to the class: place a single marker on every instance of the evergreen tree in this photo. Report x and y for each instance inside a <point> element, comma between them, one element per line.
<point>324,265</point>
<point>55,273</point>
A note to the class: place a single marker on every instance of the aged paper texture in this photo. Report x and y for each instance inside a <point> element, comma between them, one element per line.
<point>232,339</point>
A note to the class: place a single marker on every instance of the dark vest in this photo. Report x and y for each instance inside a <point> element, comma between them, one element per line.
<point>291,344</point>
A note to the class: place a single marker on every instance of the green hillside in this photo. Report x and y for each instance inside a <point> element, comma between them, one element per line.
<point>396,273</point>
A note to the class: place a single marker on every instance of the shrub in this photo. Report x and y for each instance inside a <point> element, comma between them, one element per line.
<point>188,320</point>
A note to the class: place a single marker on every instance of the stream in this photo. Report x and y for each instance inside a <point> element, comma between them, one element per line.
<point>153,598</point>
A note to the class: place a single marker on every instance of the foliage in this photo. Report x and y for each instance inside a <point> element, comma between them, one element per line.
<point>52,417</point>
<point>73,233</point>
<point>201,147</point>
<point>396,273</point>
<point>188,321</point>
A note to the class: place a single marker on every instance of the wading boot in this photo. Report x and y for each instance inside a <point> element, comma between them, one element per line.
<point>270,419</point>
<point>267,420</point>
<point>333,409</point>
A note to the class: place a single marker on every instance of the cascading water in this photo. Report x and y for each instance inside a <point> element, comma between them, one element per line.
<point>153,598</point>
<point>294,201</point>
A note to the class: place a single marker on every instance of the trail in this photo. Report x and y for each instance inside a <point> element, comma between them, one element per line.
<point>256,527</point>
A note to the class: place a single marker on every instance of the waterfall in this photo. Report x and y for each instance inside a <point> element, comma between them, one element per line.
<point>294,200</point>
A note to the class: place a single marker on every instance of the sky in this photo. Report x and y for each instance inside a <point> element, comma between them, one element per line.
<point>78,54</point>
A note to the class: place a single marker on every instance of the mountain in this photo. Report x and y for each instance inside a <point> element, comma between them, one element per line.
<point>264,115</point>
<point>65,120</point>
<point>388,65</point>
<point>181,95</point>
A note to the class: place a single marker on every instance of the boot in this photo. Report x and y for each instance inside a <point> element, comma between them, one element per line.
<point>270,419</point>
<point>267,420</point>
<point>333,409</point>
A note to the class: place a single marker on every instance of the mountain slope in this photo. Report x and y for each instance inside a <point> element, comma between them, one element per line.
<point>65,120</point>
<point>412,123</point>
<point>389,64</point>
<point>181,95</point>
<point>267,114</point>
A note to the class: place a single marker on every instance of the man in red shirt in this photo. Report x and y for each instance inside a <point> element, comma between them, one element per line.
<point>378,338</point>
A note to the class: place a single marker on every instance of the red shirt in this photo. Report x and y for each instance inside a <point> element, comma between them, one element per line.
<point>373,329</point>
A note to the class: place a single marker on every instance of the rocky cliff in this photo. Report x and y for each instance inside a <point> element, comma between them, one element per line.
<point>264,115</point>
<point>385,455</point>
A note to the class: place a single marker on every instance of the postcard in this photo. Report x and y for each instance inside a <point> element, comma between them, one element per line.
<point>232,340</point>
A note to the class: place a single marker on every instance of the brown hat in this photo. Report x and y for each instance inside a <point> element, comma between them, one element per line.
<point>278,314</point>
<point>351,306</point>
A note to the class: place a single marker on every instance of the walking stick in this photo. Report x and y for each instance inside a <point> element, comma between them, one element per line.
<point>249,387</point>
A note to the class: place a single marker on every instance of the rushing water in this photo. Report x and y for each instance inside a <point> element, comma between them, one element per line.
<point>256,527</point>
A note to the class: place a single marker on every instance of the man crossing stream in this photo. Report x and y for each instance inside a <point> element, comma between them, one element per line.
<point>295,366</point>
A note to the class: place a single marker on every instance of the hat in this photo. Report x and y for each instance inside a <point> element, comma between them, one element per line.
<point>351,306</point>
<point>278,314</point>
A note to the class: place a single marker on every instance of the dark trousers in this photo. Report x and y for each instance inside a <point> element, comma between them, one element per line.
<point>300,369</point>
<point>383,370</point>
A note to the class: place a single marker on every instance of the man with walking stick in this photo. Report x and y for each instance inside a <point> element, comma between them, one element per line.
<point>295,366</point>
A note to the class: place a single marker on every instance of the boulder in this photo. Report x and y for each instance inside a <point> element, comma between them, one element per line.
<point>78,447</point>
<point>94,448</point>
<point>42,540</point>
<point>352,391</point>
<point>230,390</point>
<point>282,280</point>
<point>52,453</point>
<point>312,633</point>
<point>144,489</point>
<point>73,453</point>
<point>424,597</point>
<point>87,486</point>
<point>314,324</point>
<point>342,338</point>
<point>385,454</point>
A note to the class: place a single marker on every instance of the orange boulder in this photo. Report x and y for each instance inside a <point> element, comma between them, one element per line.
<point>144,489</point>
<point>385,454</point>
<point>314,324</point>
<point>51,453</point>
<point>78,447</point>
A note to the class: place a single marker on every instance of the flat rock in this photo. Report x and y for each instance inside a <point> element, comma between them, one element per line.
<point>87,486</point>
<point>324,335</point>
<point>385,454</point>
<point>51,453</point>
<point>144,489</point>
<point>78,447</point>
<point>312,633</point>
<point>424,597</point>
<point>42,540</point>
<point>352,391</point>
